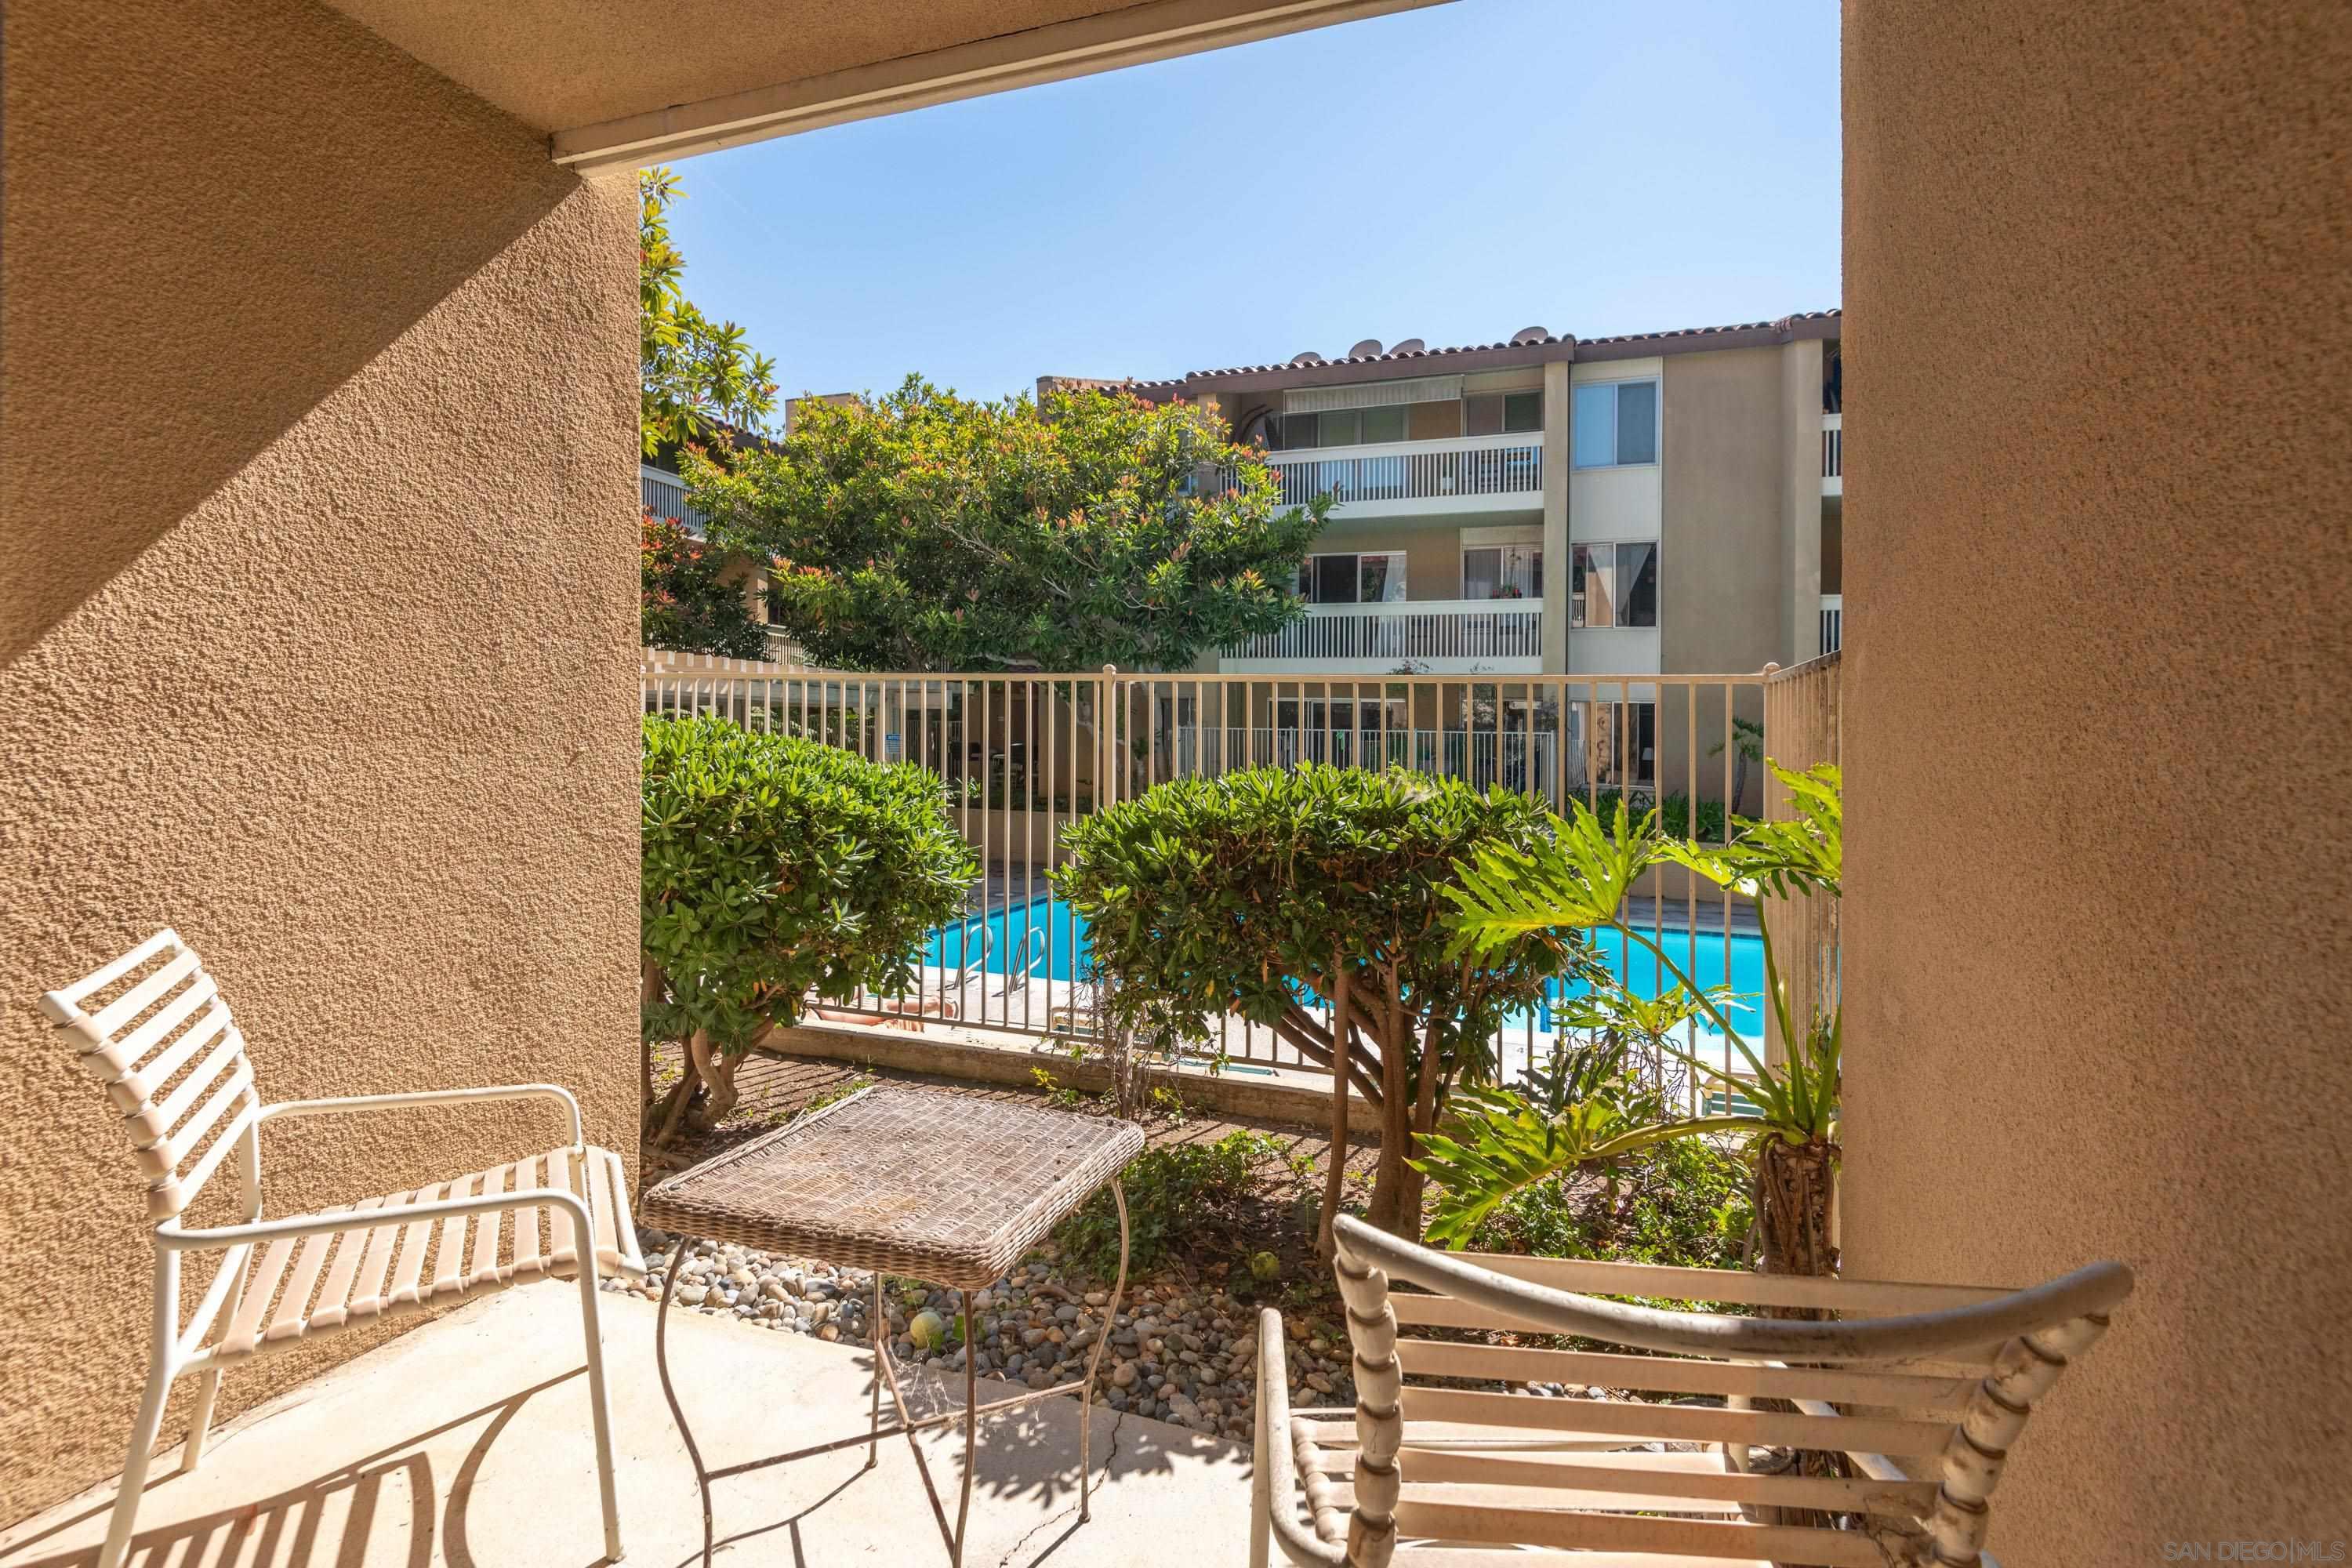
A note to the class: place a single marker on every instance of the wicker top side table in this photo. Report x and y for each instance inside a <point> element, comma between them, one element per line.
<point>940,1188</point>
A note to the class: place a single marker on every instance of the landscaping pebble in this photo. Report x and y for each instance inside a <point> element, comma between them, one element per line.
<point>1178,1350</point>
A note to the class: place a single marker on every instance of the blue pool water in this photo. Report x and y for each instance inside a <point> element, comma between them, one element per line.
<point>1047,939</point>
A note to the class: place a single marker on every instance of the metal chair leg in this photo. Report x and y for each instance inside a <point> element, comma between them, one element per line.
<point>200,1421</point>
<point>144,1432</point>
<point>600,1409</point>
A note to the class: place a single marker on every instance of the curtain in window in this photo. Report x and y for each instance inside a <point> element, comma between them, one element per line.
<point>1637,422</point>
<point>1482,572</point>
<point>1637,584</point>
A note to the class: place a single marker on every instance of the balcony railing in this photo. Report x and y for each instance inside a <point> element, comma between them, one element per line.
<point>664,496</point>
<point>1484,470</point>
<point>1407,633</point>
<point>1833,622</point>
<point>1833,454</point>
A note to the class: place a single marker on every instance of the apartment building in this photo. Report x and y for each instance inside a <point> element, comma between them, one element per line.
<point>1665,503</point>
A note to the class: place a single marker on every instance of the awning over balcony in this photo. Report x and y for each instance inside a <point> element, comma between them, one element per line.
<point>617,86</point>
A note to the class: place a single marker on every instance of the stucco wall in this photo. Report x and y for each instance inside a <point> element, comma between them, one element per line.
<point>316,631</point>
<point>1721,547</point>
<point>1433,550</point>
<point>2097,728</point>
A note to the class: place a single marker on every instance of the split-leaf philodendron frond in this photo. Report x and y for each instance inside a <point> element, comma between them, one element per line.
<point>1503,1142</point>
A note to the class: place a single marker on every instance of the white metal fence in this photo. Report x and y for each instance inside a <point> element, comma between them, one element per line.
<point>1833,622</point>
<point>1026,755</point>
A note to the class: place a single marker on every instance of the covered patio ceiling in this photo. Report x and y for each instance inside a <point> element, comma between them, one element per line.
<point>617,84</point>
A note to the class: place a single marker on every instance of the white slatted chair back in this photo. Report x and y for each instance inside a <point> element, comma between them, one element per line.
<point>1939,1379</point>
<point>154,1029</point>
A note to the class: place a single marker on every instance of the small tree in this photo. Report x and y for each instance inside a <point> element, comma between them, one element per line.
<point>693,371</point>
<point>1306,901</point>
<point>684,604</point>
<point>775,868</point>
<point>925,531</point>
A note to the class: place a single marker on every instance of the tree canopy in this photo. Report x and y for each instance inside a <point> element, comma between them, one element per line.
<point>1311,901</point>
<point>683,602</point>
<point>925,531</point>
<point>695,370</point>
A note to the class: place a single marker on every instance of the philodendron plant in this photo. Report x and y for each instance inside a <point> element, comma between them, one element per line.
<point>1502,1142</point>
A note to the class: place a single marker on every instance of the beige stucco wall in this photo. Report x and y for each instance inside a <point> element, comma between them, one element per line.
<point>1433,550</point>
<point>1723,549</point>
<point>2098,729</point>
<point>316,631</point>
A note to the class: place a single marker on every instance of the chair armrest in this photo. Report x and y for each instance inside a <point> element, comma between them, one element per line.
<point>433,1096</point>
<point>1273,1492</point>
<point>215,1238</point>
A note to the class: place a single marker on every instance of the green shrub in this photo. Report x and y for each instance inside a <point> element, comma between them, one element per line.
<point>1167,1186</point>
<point>1686,1202</point>
<point>1265,893</point>
<point>773,868</point>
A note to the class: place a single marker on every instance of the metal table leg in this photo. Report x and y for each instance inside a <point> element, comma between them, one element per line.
<point>661,1364</point>
<point>1094,1365</point>
<point>878,1335</point>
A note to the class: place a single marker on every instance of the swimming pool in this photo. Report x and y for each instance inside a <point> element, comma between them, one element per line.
<point>1046,939</point>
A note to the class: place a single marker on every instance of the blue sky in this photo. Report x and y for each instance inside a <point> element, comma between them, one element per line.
<point>1451,174</point>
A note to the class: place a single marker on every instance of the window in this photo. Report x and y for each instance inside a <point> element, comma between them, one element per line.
<point>1613,585</point>
<point>1364,579</point>
<point>1619,742</point>
<point>1384,424</point>
<point>1615,423</point>
<point>1502,572</point>
<point>1502,413</point>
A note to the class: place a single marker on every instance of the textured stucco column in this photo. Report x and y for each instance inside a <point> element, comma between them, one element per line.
<point>2098,730</point>
<point>1801,501</point>
<point>316,632</point>
<point>1557,411</point>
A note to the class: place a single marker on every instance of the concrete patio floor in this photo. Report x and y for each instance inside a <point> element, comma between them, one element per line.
<point>465,1443</point>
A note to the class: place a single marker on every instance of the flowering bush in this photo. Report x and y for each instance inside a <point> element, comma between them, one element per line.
<point>684,605</point>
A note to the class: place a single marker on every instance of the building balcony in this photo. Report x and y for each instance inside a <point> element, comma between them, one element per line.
<point>664,495</point>
<point>1833,454</point>
<point>1439,636</point>
<point>1833,622</point>
<point>1409,479</point>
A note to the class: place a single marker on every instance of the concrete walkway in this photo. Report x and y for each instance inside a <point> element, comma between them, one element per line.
<point>465,1444</point>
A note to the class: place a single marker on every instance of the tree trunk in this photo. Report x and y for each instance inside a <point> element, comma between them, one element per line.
<point>716,1072</point>
<point>651,984</point>
<point>1793,1189</point>
<point>1395,1181</point>
<point>1335,1169</point>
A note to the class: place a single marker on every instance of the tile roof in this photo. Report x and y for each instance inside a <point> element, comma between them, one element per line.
<point>1392,357</point>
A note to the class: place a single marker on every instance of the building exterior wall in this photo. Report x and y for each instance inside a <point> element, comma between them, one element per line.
<point>2098,969</point>
<point>1721,585</point>
<point>316,633</point>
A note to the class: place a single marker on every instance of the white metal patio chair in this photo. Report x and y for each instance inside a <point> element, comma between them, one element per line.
<point>1446,1472</point>
<point>152,1026</point>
